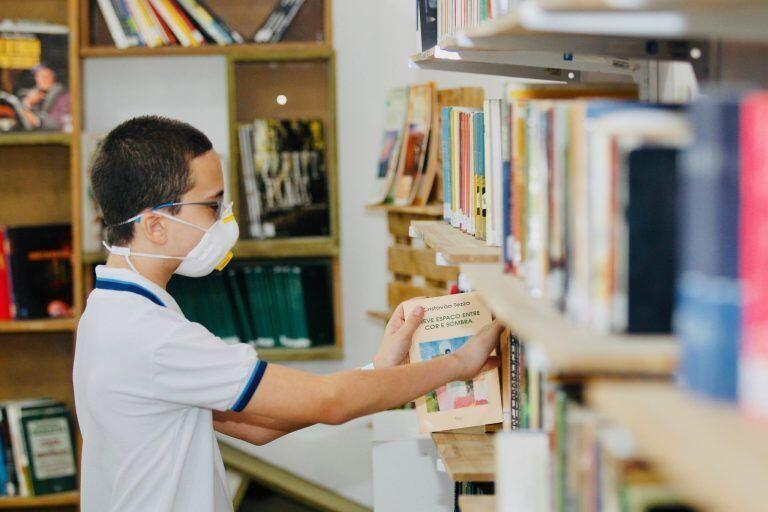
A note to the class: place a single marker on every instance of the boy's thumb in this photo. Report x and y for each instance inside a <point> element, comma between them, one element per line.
<point>412,322</point>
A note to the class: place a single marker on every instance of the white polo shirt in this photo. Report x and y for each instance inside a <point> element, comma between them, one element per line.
<point>146,380</point>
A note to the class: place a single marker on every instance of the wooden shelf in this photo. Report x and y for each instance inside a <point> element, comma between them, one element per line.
<point>711,453</point>
<point>467,457</point>
<point>331,352</point>
<point>35,139</point>
<point>41,325</point>
<point>97,257</point>
<point>305,246</point>
<point>277,51</point>
<point>382,316</point>
<point>571,350</point>
<point>452,245</point>
<point>64,499</point>
<point>435,210</point>
<point>479,503</point>
<point>641,5</point>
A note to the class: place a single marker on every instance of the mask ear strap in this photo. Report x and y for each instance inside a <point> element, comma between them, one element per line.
<point>182,221</point>
<point>125,251</point>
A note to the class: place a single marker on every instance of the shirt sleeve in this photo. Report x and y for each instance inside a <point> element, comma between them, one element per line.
<point>196,368</point>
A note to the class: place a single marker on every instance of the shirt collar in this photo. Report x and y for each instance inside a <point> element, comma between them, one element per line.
<point>129,276</point>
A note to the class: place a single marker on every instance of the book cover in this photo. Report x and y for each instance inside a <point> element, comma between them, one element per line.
<point>392,140</point>
<point>41,270</point>
<point>448,323</point>
<point>50,448</point>
<point>34,91</point>
<point>414,148</point>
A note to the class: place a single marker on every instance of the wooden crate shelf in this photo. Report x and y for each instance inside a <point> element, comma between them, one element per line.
<point>452,245</point>
<point>479,503</point>
<point>430,210</point>
<point>571,350</point>
<point>63,499</point>
<point>711,453</point>
<point>41,325</point>
<point>467,457</point>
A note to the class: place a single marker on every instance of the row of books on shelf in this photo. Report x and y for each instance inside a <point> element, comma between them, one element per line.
<point>284,179</point>
<point>269,305</point>
<point>35,272</point>
<point>626,216</point>
<point>188,23</point>
<point>438,19</point>
<point>37,454</point>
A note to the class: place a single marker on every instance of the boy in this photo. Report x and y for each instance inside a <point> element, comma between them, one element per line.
<point>150,386</point>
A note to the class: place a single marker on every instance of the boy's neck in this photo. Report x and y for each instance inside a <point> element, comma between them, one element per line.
<point>156,271</point>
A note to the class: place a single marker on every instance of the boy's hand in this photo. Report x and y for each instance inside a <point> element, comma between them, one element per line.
<point>396,342</point>
<point>475,356</point>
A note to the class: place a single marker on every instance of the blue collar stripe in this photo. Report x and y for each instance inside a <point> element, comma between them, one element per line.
<point>250,388</point>
<point>122,286</point>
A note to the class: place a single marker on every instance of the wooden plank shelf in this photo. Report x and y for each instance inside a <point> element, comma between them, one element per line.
<point>709,451</point>
<point>63,499</point>
<point>301,354</point>
<point>277,51</point>
<point>381,316</point>
<point>35,139</point>
<point>571,350</point>
<point>41,325</point>
<point>452,245</point>
<point>478,503</point>
<point>467,457</point>
<point>434,210</point>
<point>286,247</point>
<point>643,5</point>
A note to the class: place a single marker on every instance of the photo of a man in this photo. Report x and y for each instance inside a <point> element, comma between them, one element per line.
<point>46,106</point>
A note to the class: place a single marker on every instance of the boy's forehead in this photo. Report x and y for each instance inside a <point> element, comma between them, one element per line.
<point>207,176</point>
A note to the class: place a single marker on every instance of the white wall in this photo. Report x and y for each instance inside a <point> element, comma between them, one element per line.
<point>373,40</point>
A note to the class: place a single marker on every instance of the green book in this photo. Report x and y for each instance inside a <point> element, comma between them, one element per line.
<point>253,280</point>
<point>298,311</point>
<point>225,310</point>
<point>242,322</point>
<point>50,448</point>
<point>275,289</point>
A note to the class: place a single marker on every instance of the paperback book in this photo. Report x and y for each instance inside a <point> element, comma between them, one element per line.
<point>449,322</point>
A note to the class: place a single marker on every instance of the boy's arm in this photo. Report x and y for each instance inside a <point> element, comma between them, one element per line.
<point>300,398</point>
<point>230,423</point>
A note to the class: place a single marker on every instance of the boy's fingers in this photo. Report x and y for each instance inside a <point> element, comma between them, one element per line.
<point>412,322</point>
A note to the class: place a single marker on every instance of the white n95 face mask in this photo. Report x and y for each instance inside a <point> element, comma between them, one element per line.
<point>212,252</point>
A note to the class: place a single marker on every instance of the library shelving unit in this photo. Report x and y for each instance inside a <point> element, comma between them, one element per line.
<point>302,68</point>
<point>708,451</point>
<point>40,177</point>
<point>414,269</point>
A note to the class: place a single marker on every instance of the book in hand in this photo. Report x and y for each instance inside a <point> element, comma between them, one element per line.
<point>448,323</point>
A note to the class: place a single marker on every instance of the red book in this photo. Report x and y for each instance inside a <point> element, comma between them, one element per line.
<point>163,25</point>
<point>753,265</point>
<point>5,280</point>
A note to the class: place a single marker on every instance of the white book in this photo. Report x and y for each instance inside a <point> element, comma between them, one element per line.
<point>164,9</point>
<point>496,187</point>
<point>490,142</point>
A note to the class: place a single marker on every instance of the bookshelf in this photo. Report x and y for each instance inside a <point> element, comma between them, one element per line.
<point>311,29</point>
<point>41,179</point>
<point>480,503</point>
<point>466,457</point>
<point>452,246</point>
<point>715,457</point>
<point>571,350</point>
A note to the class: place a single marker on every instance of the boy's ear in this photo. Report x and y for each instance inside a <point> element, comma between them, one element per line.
<point>154,227</point>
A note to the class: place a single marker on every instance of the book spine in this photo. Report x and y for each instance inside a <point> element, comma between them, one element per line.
<point>206,21</point>
<point>447,162</point>
<point>21,462</point>
<point>168,13</point>
<point>753,389</point>
<point>113,24</point>
<point>5,280</point>
<point>223,25</point>
<point>159,24</point>
<point>197,36</point>
<point>129,23</point>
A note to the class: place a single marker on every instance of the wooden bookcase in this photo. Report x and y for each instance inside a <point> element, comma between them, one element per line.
<point>40,183</point>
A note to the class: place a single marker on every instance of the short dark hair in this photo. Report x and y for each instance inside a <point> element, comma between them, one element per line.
<point>141,163</point>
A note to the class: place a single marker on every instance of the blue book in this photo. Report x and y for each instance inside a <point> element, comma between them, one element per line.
<point>447,161</point>
<point>708,309</point>
<point>479,156</point>
<point>3,472</point>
